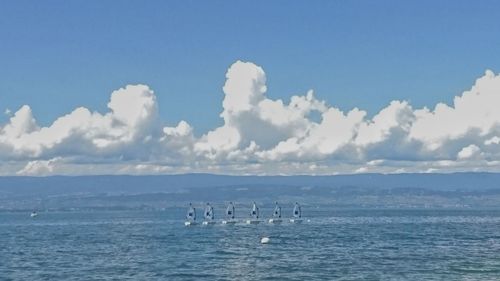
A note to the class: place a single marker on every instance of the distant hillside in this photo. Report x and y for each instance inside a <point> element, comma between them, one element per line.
<point>342,190</point>
<point>148,184</point>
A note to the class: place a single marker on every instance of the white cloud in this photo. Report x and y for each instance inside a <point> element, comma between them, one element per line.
<point>133,111</point>
<point>469,152</point>
<point>39,167</point>
<point>21,123</point>
<point>493,140</point>
<point>476,109</point>
<point>398,115</point>
<point>361,170</point>
<point>260,135</point>
<point>244,89</point>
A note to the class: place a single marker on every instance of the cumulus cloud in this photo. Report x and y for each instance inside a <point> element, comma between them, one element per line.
<point>469,152</point>
<point>260,135</point>
<point>21,123</point>
<point>39,167</point>
<point>492,141</point>
<point>133,111</point>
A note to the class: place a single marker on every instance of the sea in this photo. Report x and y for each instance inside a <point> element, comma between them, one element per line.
<point>331,244</point>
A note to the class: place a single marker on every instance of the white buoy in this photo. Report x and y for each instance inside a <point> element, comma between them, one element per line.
<point>265,240</point>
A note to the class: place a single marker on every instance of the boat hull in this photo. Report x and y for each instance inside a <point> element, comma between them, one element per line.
<point>190,223</point>
<point>229,222</point>
<point>275,221</point>
<point>253,221</point>
<point>296,220</point>
<point>209,222</point>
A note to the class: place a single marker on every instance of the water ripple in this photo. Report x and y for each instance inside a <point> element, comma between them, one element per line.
<point>333,245</point>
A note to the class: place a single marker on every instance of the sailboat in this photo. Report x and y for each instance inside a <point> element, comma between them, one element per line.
<point>297,214</point>
<point>254,215</point>
<point>276,215</point>
<point>209,215</point>
<point>229,214</point>
<point>190,216</point>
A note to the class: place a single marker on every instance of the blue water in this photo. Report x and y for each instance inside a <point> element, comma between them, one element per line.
<point>334,245</point>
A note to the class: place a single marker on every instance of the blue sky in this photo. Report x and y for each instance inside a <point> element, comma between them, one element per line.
<point>57,55</point>
<point>388,59</point>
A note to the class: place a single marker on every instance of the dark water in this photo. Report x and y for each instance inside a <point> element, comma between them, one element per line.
<point>334,245</point>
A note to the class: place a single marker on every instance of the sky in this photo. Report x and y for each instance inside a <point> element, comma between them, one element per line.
<point>144,87</point>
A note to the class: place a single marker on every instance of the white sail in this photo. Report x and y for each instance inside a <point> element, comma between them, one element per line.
<point>230,215</point>
<point>255,211</point>
<point>297,212</point>
<point>209,212</point>
<point>254,215</point>
<point>276,219</point>
<point>209,215</point>
<point>230,210</point>
<point>191,213</point>
<point>277,211</point>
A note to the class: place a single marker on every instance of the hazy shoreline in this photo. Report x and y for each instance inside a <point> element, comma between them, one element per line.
<point>398,191</point>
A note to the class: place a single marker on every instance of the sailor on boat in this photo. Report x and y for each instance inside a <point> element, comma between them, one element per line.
<point>190,216</point>
<point>33,214</point>
<point>276,215</point>
<point>254,215</point>
<point>229,214</point>
<point>297,214</point>
<point>209,215</point>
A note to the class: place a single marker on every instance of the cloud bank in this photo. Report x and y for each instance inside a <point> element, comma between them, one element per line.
<point>260,135</point>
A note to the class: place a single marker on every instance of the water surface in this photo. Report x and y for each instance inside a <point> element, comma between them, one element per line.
<point>334,245</point>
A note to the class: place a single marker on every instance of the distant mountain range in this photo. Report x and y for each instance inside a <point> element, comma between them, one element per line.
<point>369,190</point>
